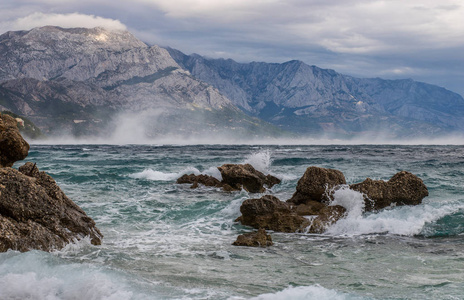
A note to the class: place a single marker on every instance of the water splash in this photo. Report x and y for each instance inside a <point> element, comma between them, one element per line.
<point>260,160</point>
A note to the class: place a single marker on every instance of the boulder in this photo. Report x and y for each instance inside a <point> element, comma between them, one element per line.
<point>403,188</point>
<point>270,213</point>
<point>326,217</point>
<point>193,179</point>
<point>36,214</point>
<point>254,239</point>
<point>238,176</point>
<point>12,145</point>
<point>315,184</point>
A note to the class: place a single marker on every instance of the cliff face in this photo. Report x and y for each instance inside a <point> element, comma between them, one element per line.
<point>309,99</point>
<point>77,79</point>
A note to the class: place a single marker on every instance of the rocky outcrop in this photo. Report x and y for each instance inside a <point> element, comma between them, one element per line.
<point>12,145</point>
<point>403,188</point>
<point>310,209</point>
<point>252,180</point>
<point>270,213</point>
<point>315,184</point>
<point>36,214</point>
<point>234,178</point>
<point>254,239</point>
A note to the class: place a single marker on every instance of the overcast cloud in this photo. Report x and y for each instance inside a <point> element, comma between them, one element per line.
<point>419,39</point>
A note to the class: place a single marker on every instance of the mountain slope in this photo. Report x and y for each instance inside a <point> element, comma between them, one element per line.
<point>311,100</point>
<point>76,80</point>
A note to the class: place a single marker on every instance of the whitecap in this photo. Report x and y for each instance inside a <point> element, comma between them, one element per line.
<point>306,293</point>
<point>260,160</point>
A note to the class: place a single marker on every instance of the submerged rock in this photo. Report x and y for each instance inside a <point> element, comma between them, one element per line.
<point>315,183</point>
<point>270,213</point>
<point>254,239</point>
<point>36,214</point>
<point>12,145</point>
<point>403,188</point>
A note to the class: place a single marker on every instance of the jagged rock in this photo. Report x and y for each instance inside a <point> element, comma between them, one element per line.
<point>309,208</point>
<point>196,179</point>
<point>36,214</point>
<point>238,176</point>
<point>254,239</point>
<point>270,213</point>
<point>326,217</point>
<point>315,183</point>
<point>12,145</point>
<point>403,188</point>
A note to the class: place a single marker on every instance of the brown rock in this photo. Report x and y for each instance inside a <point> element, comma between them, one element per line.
<point>12,145</point>
<point>314,184</point>
<point>206,180</point>
<point>36,214</point>
<point>403,188</point>
<point>270,213</point>
<point>326,217</point>
<point>254,239</point>
<point>309,208</point>
<point>238,176</point>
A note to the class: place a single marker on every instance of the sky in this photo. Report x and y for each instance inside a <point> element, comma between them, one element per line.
<point>395,39</point>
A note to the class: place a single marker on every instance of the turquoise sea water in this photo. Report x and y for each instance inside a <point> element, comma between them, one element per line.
<point>166,241</point>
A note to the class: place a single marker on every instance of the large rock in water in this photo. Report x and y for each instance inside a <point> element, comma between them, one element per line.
<point>36,214</point>
<point>403,188</point>
<point>315,183</point>
<point>252,180</point>
<point>270,213</point>
<point>12,145</point>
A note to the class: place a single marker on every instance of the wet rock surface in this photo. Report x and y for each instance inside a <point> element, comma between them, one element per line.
<point>36,214</point>
<point>254,239</point>
<point>234,178</point>
<point>12,145</point>
<point>403,188</point>
<point>315,183</point>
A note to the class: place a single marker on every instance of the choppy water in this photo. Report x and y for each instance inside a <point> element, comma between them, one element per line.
<point>166,241</point>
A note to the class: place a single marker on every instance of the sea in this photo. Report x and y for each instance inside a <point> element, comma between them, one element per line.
<point>163,240</point>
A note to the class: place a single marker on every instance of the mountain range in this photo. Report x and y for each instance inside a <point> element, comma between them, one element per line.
<point>89,82</point>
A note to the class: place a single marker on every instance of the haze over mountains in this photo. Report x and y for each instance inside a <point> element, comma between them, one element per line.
<point>86,81</point>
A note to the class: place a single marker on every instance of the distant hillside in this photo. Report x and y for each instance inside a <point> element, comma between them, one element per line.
<point>81,81</point>
<point>311,100</point>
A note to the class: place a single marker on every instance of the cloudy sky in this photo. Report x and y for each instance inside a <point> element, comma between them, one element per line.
<point>419,39</point>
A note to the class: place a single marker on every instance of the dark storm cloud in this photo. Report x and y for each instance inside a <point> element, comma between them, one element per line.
<point>419,39</point>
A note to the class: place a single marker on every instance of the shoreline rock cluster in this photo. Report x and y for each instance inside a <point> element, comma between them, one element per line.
<point>309,210</point>
<point>34,211</point>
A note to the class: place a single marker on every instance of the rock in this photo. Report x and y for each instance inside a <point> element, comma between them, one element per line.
<point>310,208</point>
<point>270,213</point>
<point>36,214</point>
<point>403,188</point>
<point>238,176</point>
<point>197,179</point>
<point>326,217</point>
<point>254,239</point>
<point>314,184</point>
<point>12,145</point>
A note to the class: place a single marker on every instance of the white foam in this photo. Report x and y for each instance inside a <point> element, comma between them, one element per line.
<point>260,160</point>
<point>154,175</point>
<point>35,275</point>
<point>402,220</point>
<point>305,293</point>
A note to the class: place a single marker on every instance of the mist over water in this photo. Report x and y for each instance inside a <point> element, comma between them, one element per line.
<point>163,240</point>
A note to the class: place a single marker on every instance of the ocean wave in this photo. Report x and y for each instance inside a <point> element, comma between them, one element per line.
<point>150,174</point>
<point>260,160</point>
<point>402,220</point>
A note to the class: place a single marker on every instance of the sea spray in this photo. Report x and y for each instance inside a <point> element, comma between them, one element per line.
<point>260,160</point>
